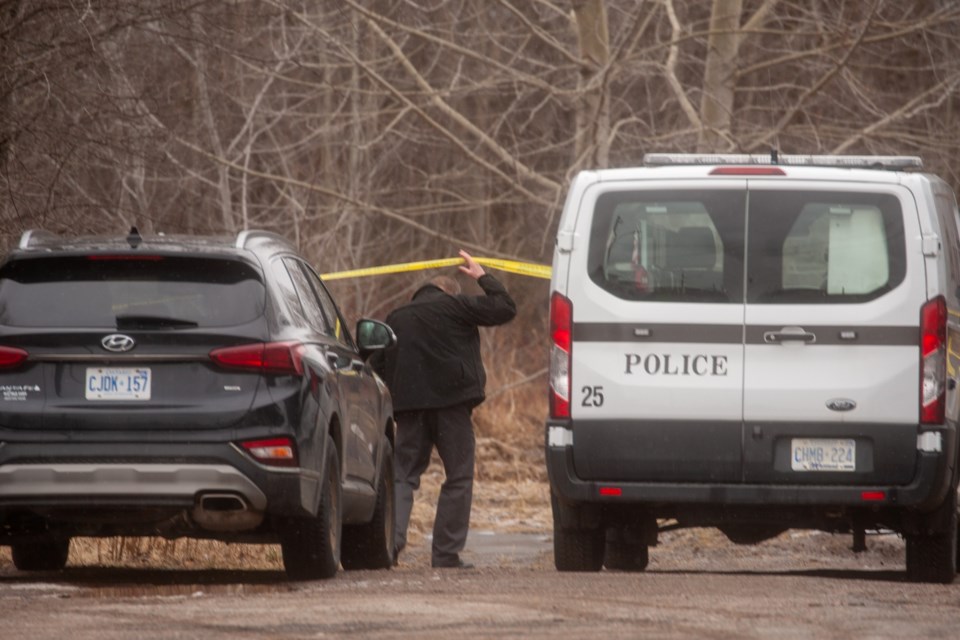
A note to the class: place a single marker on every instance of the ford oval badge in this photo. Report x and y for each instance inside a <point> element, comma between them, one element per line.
<point>841,404</point>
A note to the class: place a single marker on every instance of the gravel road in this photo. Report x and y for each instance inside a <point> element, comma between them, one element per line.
<point>800,585</point>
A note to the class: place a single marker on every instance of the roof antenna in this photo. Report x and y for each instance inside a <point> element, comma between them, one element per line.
<point>774,156</point>
<point>134,238</point>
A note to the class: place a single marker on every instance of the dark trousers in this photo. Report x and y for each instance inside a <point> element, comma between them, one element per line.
<point>451,431</point>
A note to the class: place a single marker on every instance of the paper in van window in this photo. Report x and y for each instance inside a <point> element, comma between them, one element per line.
<point>857,260</point>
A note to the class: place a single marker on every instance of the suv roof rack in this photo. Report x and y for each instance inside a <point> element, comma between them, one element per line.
<point>34,236</point>
<point>890,163</point>
<point>247,235</point>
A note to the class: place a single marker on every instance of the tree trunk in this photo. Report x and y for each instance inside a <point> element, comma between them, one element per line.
<point>592,146</point>
<point>716,104</point>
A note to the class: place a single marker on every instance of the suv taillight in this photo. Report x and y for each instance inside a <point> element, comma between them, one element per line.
<point>561,329</point>
<point>283,358</point>
<point>11,357</point>
<point>273,452</point>
<point>933,361</point>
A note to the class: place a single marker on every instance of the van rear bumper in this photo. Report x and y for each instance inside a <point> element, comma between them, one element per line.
<point>925,491</point>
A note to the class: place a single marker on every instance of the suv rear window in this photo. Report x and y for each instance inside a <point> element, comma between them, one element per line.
<point>805,247</point>
<point>149,291</point>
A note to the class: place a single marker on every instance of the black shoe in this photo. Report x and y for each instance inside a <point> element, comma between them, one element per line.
<point>455,563</point>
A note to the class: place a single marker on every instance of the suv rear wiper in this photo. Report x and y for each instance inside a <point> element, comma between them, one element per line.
<point>153,322</point>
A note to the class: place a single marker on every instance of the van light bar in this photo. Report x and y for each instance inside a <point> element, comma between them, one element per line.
<point>873,496</point>
<point>613,492</point>
<point>862,162</point>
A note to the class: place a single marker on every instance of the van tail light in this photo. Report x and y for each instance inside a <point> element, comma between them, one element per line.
<point>933,361</point>
<point>561,327</point>
<point>281,358</point>
<point>273,452</point>
<point>11,357</point>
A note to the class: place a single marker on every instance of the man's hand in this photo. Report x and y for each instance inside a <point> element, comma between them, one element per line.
<point>471,268</point>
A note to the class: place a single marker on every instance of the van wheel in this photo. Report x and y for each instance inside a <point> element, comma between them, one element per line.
<point>933,557</point>
<point>623,554</point>
<point>578,549</point>
<point>371,545</point>
<point>311,546</point>
<point>48,555</point>
<point>575,549</point>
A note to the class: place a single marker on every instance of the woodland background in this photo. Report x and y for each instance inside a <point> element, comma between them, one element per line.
<point>379,131</point>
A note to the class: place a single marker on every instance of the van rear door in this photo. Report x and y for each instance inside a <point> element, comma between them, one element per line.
<point>834,289</point>
<point>658,331</point>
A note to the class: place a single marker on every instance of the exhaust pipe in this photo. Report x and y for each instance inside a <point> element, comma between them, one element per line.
<point>225,512</point>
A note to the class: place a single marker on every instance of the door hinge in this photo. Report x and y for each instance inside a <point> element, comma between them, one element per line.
<point>565,241</point>
<point>930,245</point>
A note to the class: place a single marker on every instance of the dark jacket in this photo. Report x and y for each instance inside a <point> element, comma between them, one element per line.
<point>436,362</point>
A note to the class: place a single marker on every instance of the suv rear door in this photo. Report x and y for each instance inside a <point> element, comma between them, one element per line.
<point>834,290</point>
<point>123,341</point>
<point>658,331</point>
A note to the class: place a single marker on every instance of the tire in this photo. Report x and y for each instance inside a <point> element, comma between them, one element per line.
<point>933,557</point>
<point>371,545</point>
<point>623,555</point>
<point>311,546</point>
<point>576,549</point>
<point>48,555</point>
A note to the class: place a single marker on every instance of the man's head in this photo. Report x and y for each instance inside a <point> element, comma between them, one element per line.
<point>446,284</point>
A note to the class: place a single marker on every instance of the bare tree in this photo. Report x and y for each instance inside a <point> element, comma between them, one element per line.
<point>381,131</point>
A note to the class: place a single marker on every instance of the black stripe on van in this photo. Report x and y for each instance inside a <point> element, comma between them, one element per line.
<point>839,335</point>
<point>649,332</point>
<point>733,334</point>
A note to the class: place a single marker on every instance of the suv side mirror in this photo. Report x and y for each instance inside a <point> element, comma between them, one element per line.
<point>373,335</point>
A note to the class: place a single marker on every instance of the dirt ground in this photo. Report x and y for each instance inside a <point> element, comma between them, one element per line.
<point>698,585</point>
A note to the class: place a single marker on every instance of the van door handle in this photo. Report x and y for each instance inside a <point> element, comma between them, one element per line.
<point>789,334</point>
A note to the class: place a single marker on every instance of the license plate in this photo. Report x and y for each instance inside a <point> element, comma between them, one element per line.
<point>118,383</point>
<point>823,454</point>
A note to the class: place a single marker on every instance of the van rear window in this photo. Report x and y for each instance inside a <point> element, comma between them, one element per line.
<point>671,246</point>
<point>801,246</point>
<point>823,247</point>
<point>124,292</point>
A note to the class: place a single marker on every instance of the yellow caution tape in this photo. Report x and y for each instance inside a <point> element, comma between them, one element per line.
<point>523,268</point>
<point>511,266</point>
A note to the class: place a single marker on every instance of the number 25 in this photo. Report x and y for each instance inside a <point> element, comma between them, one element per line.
<point>592,397</point>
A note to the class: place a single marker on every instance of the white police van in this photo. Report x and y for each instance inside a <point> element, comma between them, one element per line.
<point>755,343</point>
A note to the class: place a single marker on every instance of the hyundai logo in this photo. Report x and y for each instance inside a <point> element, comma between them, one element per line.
<point>841,404</point>
<point>118,342</point>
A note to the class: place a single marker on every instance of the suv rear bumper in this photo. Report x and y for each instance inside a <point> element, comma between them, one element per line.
<point>214,484</point>
<point>169,484</point>
<point>925,491</point>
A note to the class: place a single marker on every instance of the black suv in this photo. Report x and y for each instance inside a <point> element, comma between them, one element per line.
<point>189,386</point>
